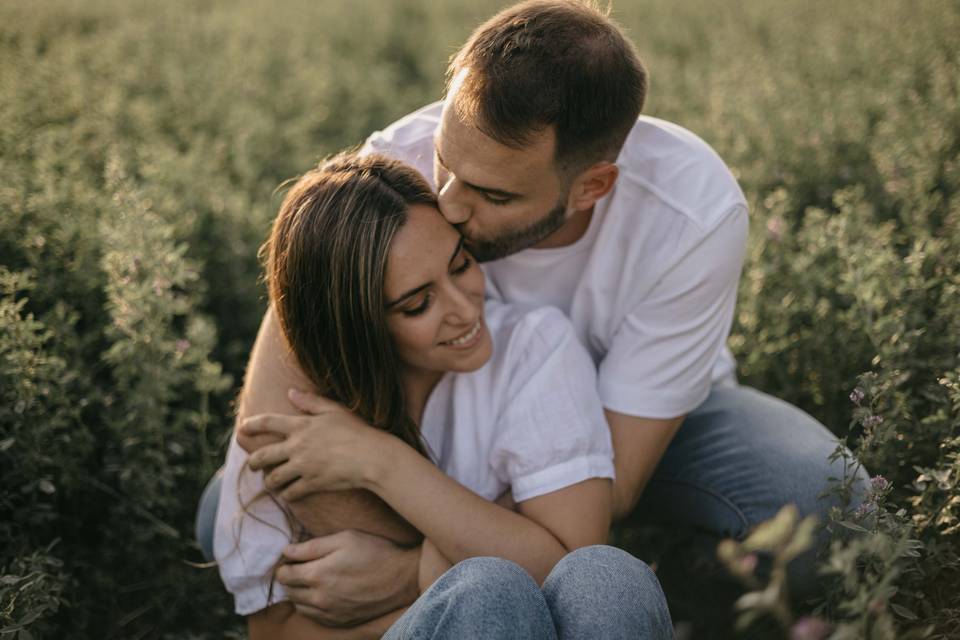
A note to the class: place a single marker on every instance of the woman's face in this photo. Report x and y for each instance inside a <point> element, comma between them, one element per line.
<point>434,292</point>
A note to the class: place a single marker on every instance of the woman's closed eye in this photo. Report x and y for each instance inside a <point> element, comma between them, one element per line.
<point>466,264</point>
<point>460,269</point>
<point>422,307</point>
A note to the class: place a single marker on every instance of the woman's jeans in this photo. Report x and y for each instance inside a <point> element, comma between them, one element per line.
<point>593,592</point>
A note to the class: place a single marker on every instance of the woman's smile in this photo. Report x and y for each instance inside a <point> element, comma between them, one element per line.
<point>467,340</point>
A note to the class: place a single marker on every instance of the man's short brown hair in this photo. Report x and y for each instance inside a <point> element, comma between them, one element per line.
<point>543,63</point>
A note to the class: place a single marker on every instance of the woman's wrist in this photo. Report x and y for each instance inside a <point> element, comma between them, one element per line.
<point>382,452</point>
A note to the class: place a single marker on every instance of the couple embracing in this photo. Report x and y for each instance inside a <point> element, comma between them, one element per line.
<point>427,448</point>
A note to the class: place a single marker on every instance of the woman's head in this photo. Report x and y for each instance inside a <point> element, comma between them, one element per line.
<point>370,284</point>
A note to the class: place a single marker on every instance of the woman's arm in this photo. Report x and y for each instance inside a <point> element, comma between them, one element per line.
<point>335,450</point>
<point>462,524</point>
<point>282,622</point>
<point>433,564</point>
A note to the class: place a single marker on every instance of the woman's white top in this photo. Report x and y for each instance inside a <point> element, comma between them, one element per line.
<point>530,420</point>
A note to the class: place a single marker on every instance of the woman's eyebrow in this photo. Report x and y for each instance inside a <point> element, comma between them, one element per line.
<point>415,291</point>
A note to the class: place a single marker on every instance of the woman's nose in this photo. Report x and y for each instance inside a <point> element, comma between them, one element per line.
<point>463,308</point>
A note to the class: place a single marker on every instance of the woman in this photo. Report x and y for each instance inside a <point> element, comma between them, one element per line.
<point>441,404</point>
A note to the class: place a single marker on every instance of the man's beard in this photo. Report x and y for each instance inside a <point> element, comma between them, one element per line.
<point>510,242</point>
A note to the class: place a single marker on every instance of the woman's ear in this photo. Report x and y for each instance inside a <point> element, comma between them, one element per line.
<point>592,184</point>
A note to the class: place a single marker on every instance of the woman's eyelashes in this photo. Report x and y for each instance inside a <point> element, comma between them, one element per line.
<point>423,306</point>
<point>428,296</point>
<point>467,262</point>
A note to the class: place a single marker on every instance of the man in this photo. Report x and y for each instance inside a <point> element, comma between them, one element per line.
<point>636,230</point>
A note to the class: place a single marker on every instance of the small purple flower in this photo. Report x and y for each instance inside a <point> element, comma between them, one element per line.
<point>879,484</point>
<point>856,396</point>
<point>809,628</point>
<point>865,509</point>
<point>182,345</point>
<point>872,421</point>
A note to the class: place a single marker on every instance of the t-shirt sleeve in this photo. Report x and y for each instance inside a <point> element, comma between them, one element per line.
<point>250,535</point>
<point>409,139</point>
<point>552,432</point>
<point>661,356</point>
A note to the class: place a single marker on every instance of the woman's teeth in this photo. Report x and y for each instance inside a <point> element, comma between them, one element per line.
<point>465,338</point>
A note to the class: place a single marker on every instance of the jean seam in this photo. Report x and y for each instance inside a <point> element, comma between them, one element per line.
<point>744,521</point>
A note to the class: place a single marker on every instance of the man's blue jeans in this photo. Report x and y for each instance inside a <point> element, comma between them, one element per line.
<point>735,461</point>
<point>593,592</point>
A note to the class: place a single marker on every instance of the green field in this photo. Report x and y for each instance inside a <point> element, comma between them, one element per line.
<point>141,144</point>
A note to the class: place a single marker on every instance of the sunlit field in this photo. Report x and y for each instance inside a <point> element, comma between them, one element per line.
<point>141,146</point>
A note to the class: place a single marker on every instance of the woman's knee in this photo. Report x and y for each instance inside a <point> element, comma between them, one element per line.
<point>487,582</point>
<point>601,567</point>
<point>479,597</point>
<point>603,587</point>
<point>490,572</point>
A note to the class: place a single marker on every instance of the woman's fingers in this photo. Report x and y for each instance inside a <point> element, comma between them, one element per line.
<point>269,456</point>
<point>251,442</point>
<point>311,402</point>
<point>297,489</point>
<point>280,477</point>
<point>275,423</point>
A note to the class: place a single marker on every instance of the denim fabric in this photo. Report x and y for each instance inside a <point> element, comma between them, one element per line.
<point>604,592</point>
<point>736,460</point>
<point>594,592</point>
<point>207,515</point>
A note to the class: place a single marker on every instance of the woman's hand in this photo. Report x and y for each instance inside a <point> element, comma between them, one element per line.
<point>330,449</point>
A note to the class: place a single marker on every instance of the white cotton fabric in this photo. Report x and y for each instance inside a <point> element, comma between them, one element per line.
<point>651,287</point>
<point>529,420</point>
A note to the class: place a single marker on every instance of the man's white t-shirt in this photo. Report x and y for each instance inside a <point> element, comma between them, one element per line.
<point>651,287</point>
<point>529,420</point>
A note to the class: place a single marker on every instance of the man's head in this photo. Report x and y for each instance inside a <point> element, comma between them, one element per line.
<point>539,102</point>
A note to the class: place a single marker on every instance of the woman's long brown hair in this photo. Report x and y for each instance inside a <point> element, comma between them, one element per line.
<point>326,260</point>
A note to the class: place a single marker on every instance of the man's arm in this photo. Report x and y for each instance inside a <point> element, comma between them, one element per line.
<point>271,372</point>
<point>638,445</point>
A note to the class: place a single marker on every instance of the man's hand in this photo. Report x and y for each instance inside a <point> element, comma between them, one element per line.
<point>350,577</point>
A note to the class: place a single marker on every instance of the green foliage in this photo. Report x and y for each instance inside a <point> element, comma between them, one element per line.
<point>141,145</point>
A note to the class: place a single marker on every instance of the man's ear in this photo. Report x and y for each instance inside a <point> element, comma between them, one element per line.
<point>593,183</point>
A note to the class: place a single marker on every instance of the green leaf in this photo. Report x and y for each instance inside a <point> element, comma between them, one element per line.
<point>852,526</point>
<point>903,611</point>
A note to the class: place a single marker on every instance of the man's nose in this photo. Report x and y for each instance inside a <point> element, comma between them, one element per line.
<point>452,204</point>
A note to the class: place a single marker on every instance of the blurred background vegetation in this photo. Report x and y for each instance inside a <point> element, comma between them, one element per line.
<point>141,144</point>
